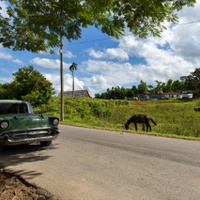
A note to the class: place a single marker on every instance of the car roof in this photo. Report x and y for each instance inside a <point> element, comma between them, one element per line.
<point>11,101</point>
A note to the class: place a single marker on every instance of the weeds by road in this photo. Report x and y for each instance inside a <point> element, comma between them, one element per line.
<point>16,188</point>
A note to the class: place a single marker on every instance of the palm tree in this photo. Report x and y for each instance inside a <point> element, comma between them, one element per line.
<point>72,68</point>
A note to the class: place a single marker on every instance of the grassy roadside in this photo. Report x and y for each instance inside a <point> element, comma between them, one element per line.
<point>174,118</point>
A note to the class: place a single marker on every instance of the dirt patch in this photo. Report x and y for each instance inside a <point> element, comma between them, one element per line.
<point>13,187</point>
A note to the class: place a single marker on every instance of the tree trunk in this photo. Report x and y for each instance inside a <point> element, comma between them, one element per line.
<point>73,83</point>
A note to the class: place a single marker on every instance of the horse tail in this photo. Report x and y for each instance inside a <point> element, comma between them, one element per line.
<point>153,121</point>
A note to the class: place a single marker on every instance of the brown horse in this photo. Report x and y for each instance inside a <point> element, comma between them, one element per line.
<point>141,119</point>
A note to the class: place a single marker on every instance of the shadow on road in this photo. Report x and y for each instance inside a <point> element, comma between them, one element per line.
<point>15,155</point>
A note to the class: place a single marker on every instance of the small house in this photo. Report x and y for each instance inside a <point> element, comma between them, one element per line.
<point>172,95</point>
<point>77,93</point>
<point>187,94</point>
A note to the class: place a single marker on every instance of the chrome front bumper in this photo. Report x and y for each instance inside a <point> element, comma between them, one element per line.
<point>29,136</point>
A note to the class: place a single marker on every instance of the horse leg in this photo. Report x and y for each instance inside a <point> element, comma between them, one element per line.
<point>135,126</point>
<point>143,126</point>
<point>148,126</point>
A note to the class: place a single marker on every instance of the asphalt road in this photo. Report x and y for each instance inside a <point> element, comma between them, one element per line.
<point>88,164</point>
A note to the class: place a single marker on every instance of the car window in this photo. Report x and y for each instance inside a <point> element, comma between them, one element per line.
<point>13,108</point>
<point>23,108</point>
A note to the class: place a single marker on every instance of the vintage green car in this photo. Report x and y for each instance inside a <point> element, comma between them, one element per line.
<point>19,125</point>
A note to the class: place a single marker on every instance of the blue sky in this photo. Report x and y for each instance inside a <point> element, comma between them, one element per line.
<point>104,62</point>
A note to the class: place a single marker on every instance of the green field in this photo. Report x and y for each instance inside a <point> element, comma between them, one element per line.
<point>174,118</point>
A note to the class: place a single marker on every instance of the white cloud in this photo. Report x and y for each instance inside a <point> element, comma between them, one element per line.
<point>186,39</point>
<point>188,14</point>
<point>186,42</point>
<point>114,73</point>
<point>110,53</point>
<point>48,63</point>
<point>116,53</point>
<point>68,54</point>
<point>9,57</point>
<point>5,56</point>
<point>99,83</point>
<point>161,64</point>
<point>67,79</point>
<point>18,61</point>
<point>95,54</point>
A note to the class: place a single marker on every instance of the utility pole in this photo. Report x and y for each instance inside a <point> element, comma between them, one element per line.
<point>73,83</point>
<point>61,81</point>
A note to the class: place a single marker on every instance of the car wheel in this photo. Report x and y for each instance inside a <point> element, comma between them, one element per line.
<point>46,143</point>
<point>1,148</point>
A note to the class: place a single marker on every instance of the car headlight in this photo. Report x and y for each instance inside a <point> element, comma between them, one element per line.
<point>55,122</point>
<point>4,124</point>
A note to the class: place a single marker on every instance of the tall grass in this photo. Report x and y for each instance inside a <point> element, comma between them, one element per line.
<point>173,117</point>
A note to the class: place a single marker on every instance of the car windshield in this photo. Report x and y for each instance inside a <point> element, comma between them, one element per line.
<point>13,108</point>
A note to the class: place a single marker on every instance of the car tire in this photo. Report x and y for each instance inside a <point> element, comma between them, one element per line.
<point>1,148</point>
<point>46,143</point>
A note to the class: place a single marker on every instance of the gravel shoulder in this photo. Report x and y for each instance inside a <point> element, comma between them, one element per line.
<point>16,188</point>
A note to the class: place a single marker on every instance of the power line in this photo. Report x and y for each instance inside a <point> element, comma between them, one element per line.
<point>107,38</point>
<point>191,22</point>
<point>88,41</point>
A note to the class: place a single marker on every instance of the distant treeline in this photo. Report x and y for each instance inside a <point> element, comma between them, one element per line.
<point>190,82</point>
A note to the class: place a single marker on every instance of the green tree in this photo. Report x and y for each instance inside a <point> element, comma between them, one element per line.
<point>73,67</point>
<point>129,93</point>
<point>142,88</point>
<point>38,25</point>
<point>169,85</point>
<point>29,85</point>
<point>160,87</point>
<point>116,93</point>
<point>177,86</point>
<point>151,89</point>
<point>192,82</point>
<point>6,91</point>
<point>135,90</point>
